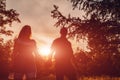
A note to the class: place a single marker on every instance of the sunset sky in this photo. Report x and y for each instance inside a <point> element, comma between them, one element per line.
<point>37,14</point>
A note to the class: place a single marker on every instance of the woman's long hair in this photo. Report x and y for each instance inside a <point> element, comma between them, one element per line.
<point>25,33</point>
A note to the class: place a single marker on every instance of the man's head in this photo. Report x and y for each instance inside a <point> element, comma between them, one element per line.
<point>63,31</point>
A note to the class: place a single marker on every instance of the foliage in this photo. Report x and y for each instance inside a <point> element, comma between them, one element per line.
<point>6,18</point>
<point>45,68</point>
<point>5,50</point>
<point>104,9</point>
<point>100,34</point>
<point>5,58</point>
<point>101,26</point>
<point>99,65</point>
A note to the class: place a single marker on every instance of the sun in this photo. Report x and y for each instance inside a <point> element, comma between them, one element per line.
<point>44,51</point>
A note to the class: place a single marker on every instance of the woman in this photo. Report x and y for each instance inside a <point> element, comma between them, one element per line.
<point>24,54</point>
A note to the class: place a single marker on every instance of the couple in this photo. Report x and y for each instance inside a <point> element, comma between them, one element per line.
<point>25,51</point>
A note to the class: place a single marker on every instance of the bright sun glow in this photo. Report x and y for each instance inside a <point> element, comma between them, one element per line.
<point>44,51</point>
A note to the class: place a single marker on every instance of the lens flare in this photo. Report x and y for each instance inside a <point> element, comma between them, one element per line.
<point>44,51</point>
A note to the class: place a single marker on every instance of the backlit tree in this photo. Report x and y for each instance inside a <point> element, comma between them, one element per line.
<point>101,26</point>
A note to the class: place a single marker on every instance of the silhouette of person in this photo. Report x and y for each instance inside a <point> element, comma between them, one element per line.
<point>63,55</point>
<point>24,54</point>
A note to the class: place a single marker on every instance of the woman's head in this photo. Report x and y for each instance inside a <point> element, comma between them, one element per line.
<point>25,32</point>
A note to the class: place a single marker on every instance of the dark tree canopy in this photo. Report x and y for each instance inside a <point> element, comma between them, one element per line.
<point>104,9</point>
<point>6,18</point>
<point>104,19</point>
<point>101,26</point>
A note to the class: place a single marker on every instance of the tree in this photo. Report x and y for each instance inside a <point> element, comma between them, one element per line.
<point>106,10</point>
<point>5,59</point>
<point>101,26</point>
<point>6,19</point>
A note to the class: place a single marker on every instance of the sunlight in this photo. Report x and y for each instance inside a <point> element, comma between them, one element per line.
<point>44,51</point>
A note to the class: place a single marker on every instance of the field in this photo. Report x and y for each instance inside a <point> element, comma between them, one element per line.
<point>83,78</point>
<point>52,77</point>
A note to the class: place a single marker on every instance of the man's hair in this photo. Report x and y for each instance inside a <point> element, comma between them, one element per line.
<point>63,31</point>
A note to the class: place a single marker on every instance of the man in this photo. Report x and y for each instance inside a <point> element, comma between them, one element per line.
<point>63,55</point>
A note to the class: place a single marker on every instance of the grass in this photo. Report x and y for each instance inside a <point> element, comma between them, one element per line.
<point>99,78</point>
<point>52,77</point>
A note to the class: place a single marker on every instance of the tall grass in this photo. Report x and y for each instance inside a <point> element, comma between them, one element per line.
<point>52,77</point>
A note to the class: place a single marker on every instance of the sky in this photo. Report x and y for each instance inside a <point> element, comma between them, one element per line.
<point>37,14</point>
